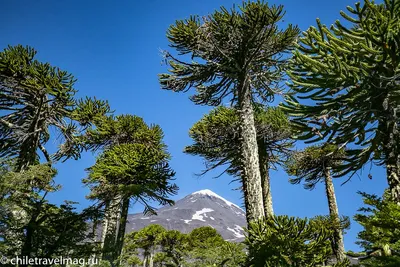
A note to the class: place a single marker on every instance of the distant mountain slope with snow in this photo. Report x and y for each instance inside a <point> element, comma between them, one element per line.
<point>201,208</point>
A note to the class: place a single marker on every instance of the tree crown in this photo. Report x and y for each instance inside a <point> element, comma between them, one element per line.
<point>226,48</point>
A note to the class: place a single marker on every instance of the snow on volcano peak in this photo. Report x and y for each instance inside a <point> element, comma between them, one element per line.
<point>207,192</point>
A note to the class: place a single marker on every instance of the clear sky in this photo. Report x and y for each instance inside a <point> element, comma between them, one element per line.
<point>113,49</point>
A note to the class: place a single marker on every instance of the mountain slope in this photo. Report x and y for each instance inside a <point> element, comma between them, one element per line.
<point>201,208</point>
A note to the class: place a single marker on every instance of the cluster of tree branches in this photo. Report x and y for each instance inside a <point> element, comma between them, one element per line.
<point>38,105</point>
<point>344,87</point>
<point>156,246</point>
<point>342,96</point>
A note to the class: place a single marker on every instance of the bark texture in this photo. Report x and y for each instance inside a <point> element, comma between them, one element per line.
<point>338,246</point>
<point>110,225</point>
<point>265,179</point>
<point>249,155</point>
<point>122,226</point>
<point>392,151</point>
<point>148,260</point>
<point>393,178</point>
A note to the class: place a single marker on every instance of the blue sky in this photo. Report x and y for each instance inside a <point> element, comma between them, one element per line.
<point>113,49</point>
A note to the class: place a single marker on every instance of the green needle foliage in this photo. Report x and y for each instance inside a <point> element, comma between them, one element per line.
<point>288,241</point>
<point>227,47</point>
<point>174,245</point>
<point>234,54</point>
<point>134,162</point>
<point>352,76</point>
<point>110,131</point>
<point>149,239</point>
<point>132,167</point>
<point>31,226</point>
<point>313,165</point>
<point>203,247</point>
<point>381,235</point>
<point>34,98</point>
<point>132,171</point>
<point>216,137</point>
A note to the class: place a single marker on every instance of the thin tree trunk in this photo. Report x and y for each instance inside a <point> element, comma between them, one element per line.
<point>148,260</point>
<point>121,227</point>
<point>144,262</point>
<point>265,179</point>
<point>393,178</point>
<point>334,214</point>
<point>105,224</point>
<point>95,240</point>
<point>151,260</point>
<point>30,230</point>
<point>28,244</point>
<point>249,155</point>
<point>392,150</point>
<point>110,229</point>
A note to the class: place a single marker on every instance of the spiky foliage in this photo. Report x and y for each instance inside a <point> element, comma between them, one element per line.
<point>313,165</point>
<point>35,97</point>
<point>228,254</point>
<point>235,54</point>
<point>226,48</point>
<point>174,245</point>
<point>149,239</point>
<point>216,137</point>
<point>288,241</point>
<point>130,251</point>
<point>381,261</point>
<point>381,222</point>
<point>352,76</point>
<point>337,225</point>
<point>326,220</point>
<point>310,165</point>
<point>31,226</point>
<point>135,171</point>
<point>133,164</point>
<point>200,237</point>
<point>110,131</point>
<point>203,247</point>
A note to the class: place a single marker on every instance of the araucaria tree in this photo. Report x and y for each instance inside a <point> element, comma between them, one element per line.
<point>380,237</point>
<point>37,104</point>
<point>216,139</point>
<point>352,75</point>
<point>235,54</point>
<point>30,226</point>
<point>133,166</point>
<point>289,242</point>
<point>35,97</point>
<point>314,165</point>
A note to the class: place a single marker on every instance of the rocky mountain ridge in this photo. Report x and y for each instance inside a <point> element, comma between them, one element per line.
<point>201,208</point>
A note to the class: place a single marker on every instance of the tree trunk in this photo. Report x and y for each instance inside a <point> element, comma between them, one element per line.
<point>249,155</point>
<point>148,260</point>
<point>393,178</point>
<point>265,179</point>
<point>392,148</point>
<point>338,245</point>
<point>27,245</point>
<point>151,260</point>
<point>105,224</point>
<point>109,236</point>
<point>27,154</point>
<point>121,227</point>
